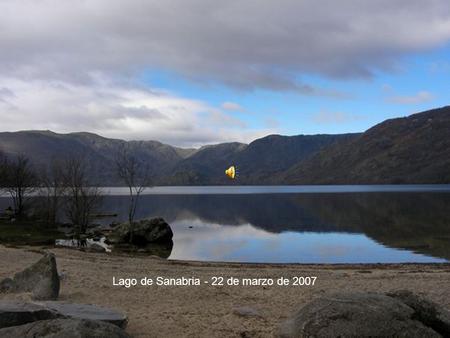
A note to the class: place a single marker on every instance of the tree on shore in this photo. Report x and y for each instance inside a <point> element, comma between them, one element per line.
<point>19,180</point>
<point>3,172</point>
<point>52,190</point>
<point>136,176</point>
<point>81,198</point>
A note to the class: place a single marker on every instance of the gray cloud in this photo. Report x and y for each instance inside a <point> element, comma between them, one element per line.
<point>5,93</point>
<point>75,65</point>
<point>246,44</point>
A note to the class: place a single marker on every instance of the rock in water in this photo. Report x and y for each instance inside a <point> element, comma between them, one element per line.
<point>87,311</point>
<point>57,328</point>
<point>18,313</point>
<point>41,279</point>
<point>356,315</point>
<point>145,232</point>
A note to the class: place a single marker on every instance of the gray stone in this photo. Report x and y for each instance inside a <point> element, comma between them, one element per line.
<point>145,231</point>
<point>94,247</point>
<point>41,279</point>
<point>7,285</point>
<point>14,313</point>
<point>87,311</point>
<point>356,315</point>
<point>429,313</point>
<point>246,311</point>
<point>64,328</point>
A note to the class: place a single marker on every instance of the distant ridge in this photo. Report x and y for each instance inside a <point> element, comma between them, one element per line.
<point>170,165</point>
<point>413,149</point>
<point>257,162</point>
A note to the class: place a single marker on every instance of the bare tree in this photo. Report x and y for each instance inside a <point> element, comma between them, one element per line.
<point>3,172</point>
<point>52,190</point>
<point>136,175</point>
<point>20,181</point>
<point>82,199</point>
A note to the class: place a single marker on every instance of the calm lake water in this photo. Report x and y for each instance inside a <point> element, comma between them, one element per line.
<point>300,224</point>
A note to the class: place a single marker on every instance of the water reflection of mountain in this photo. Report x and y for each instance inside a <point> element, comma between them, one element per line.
<point>415,221</point>
<point>274,213</point>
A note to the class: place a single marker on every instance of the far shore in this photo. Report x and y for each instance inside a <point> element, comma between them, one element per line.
<point>213,311</point>
<point>268,189</point>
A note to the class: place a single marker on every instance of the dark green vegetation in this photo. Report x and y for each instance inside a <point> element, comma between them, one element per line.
<point>414,149</point>
<point>27,233</point>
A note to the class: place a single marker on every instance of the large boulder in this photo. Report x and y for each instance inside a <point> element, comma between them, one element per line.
<point>147,231</point>
<point>357,315</point>
<point>41,279</point>
<point>14,313</point>
<point>427,312</point>
<point>7,285</point>
<point>95,247</point>
<point>87,311</point>
<point>67,328</point>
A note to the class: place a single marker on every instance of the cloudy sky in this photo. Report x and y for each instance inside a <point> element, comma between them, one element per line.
<point>191,72</point>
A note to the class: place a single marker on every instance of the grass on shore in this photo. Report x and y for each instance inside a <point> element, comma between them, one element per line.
<point>28,233</point>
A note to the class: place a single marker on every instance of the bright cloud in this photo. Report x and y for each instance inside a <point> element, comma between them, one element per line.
<point>117,111</point>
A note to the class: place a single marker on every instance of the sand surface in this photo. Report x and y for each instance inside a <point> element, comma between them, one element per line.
<point>211,311</point>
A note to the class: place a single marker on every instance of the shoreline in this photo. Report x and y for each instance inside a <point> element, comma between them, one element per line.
<point>213,311</point>
<point>257,189</point>
<point>318,265</point>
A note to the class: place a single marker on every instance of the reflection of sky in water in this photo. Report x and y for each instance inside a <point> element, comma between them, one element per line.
<point>246,243</point>
<point>247,224</point>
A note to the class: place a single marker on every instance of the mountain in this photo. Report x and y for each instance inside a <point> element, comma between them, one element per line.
<point>99,152</point>
<point>413,149</point>
<point>255,162</point>
<point>273,154</point>
<point>206,166</point>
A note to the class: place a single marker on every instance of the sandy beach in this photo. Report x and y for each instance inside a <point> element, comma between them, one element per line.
<point>215,311</point>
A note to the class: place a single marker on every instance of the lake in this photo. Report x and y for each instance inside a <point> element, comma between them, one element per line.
<point>300,224</point>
